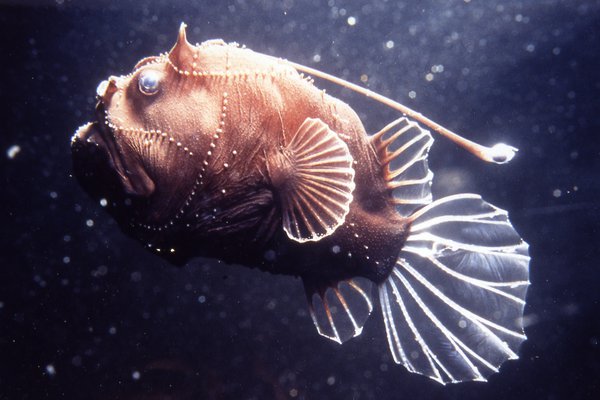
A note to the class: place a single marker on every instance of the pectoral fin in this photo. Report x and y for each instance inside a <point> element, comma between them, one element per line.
<point>314,180</point>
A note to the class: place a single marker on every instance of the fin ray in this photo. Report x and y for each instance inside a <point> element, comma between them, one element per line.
<point>402,147</point>
<point>339,312</point>
<point>461,281</point>
<point>317,192</point>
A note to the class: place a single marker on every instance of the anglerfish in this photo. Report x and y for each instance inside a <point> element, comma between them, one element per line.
<point>213,150</point>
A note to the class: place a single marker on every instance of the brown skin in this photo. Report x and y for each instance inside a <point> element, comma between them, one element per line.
<point>199,166</point>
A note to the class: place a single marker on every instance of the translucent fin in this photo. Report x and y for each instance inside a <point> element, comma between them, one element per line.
<point>317,196</point>
<point>340,312</point>
<point>453,304</point>
<point>402,147</point>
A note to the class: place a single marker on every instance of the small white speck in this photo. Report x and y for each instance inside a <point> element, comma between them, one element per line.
<point>201,299</point>
<point>557,193</point>
<point>135,375</point>
<point>317,58</point>
<point>530,47</point>
<point>412,94</point>
<point>389,44</point>
<point>112,330</point>
<point>556,51</point>
<point>462,324</point>
<point>50,370</point>
<point>66,259</point>
<point>12,151</point>
<point>1,304</point>
<point>429,77</point>
<point>103,202</point>
<point>335,249</point>
<point>331,380</point>
<point>89,223</point>
<point>351,21</point>
<point>53,195</point>
<point>414,355</point>
<point>293,392</point>
<point>136,276</point>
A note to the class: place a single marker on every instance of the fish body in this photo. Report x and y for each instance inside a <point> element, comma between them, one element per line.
<point>214,150</point>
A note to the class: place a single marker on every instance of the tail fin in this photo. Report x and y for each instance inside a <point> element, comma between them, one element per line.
<point>453,304</point>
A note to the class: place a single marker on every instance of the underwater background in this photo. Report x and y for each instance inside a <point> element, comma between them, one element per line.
<point>86,312</point>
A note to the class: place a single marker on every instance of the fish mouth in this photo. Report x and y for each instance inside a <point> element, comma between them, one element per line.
<point>96,153</point>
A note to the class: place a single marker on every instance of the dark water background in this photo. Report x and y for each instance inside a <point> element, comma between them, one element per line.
<point>86,313</point>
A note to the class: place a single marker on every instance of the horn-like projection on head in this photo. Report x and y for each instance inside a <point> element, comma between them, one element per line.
<point>182,54</point>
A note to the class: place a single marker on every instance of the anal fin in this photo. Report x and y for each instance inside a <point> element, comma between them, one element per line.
<point>339,312</point>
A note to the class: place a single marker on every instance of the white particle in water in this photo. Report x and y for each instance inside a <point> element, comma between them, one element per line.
<point>336,249</point>
<point>136,276</point>
<point>557,193</point>
<point>429,77</point>
<point>135,375</point>
<point>89,223</point>
<point>331,380</point>
<point>201,299</point>
<point>53,195</point>
<point>530,47</point>
<point>66,259</point>
<point>50,370</point>
<point>12,151</point>
<point>351,21</point>
<point>389,44</point>
<point>103,202</point>
<point>112,330</point>
<point>412,94</point>
<point>462,324</point>
<point>317,58</point>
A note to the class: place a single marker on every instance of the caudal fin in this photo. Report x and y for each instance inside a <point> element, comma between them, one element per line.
<point>453,304</point>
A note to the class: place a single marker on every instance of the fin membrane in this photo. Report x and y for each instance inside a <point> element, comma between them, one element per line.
<point>317,195</point>
<point>453,304</point>
<point>340,312</point>
<point>402,147</point>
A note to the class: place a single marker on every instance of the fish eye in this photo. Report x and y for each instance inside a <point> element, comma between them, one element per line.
<point>149,82</point>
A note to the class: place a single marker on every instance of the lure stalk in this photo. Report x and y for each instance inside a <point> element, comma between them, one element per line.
<point>499,153</point>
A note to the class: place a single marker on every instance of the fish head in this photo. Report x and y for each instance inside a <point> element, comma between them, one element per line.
<point>149,140</point>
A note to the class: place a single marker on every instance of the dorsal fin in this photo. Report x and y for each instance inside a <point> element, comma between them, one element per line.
<point>402,147</point>
<point>314,179</point>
